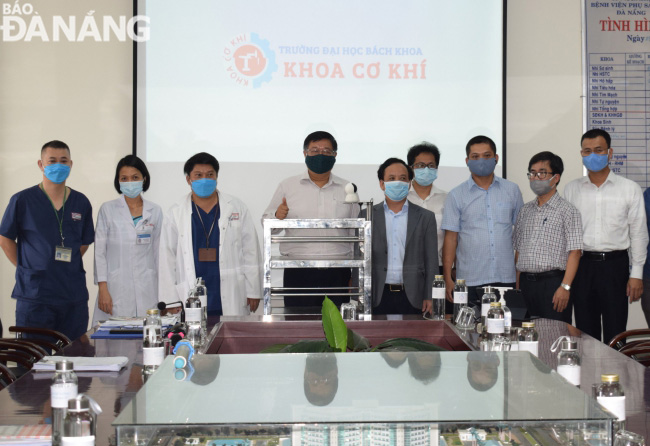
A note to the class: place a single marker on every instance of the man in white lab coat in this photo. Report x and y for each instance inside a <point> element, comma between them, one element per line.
<point>211,235</point>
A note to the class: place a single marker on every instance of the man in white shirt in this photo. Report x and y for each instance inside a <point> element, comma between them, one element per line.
<point>615,238</point>
<point>316,193</point>
<point>424,159</point>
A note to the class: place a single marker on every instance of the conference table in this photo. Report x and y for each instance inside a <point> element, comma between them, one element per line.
<point>27,401</point>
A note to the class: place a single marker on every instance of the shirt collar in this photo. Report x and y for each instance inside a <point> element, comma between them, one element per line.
<point>471,183</point>
<point>332,180</point>
<point>434,190</point>
<point>553,202</point>
<point>405,208</point>
<point>611,177</point>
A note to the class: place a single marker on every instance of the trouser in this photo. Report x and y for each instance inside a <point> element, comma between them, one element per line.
<point>538,290</point>
<point>315,278</point>
<point>71,320</point>
<point>600,291</point>
<point>395,301</point>
<point>645,300</point>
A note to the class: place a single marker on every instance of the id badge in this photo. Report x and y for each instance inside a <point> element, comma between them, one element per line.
<point>143,235</point>
<point>63,254</point>
<point>143,238</point>
<point>207,254</point>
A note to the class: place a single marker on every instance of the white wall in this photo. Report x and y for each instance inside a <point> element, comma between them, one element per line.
<point>78,92</point>
<point>81,93</point>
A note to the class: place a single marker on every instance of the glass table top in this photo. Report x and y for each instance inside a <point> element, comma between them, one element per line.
<point>358,388</point>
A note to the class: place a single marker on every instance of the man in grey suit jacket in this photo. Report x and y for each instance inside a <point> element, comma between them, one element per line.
<point>404,246</point>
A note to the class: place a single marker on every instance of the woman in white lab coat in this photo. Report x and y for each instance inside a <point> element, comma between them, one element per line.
<point>127,238</point>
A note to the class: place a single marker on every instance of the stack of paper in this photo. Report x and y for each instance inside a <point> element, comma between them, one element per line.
<point>81,363</point>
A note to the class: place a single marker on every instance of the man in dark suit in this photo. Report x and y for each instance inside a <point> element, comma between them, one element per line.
<point>404,246</point>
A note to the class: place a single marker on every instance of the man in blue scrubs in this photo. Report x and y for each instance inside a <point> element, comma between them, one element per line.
<point>45,231</point>
<point>210,234</point>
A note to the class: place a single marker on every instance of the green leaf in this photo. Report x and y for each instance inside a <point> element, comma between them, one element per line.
<point>356,342</point>
<point>307,346</point>
<point>275,348</point>
<point>408,345</point>
<point>335,329</point>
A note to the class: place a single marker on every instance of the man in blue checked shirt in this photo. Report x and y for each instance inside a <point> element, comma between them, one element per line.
<point>478,220</point>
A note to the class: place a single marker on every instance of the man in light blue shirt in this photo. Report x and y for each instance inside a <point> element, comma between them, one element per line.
<point>404,246</point>
<point>479,216</point>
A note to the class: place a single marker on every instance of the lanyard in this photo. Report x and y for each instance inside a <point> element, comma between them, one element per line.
<point>207,234</point>
<point>56,213</point>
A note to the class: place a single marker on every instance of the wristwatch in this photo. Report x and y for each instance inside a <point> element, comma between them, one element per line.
<point>565,286</point>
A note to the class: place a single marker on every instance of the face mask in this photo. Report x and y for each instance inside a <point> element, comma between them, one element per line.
<point>132,188</point>
<point>594,162</point>
<point>204,187</point>
<point>482,167</point>
<point>542,187</point>
<point>425,176</point>
<point>396,190</point>
<point>57,173</point>
<point>320,163</point>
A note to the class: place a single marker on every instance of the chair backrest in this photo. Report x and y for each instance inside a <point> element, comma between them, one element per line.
<point>629,336</point>
<point>23,345</point>
<point>6,376</point>
<point>640,354</point>
<point>44,337</point>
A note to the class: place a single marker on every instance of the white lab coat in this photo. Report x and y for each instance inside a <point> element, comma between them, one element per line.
<point>130,269</point>
<point>239,255</point>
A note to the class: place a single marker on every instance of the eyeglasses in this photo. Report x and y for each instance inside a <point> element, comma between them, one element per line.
<point>422,166</point>
<point>539,175</point>
<point>597,151</point>
<point>316,151</point>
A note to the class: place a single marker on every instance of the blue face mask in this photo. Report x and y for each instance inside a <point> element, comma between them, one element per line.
<point>57,173</point>
<point>132,188</point>
<point>204,187</point>
<point>425,176</point>
<point>594,162</point>
<point>482,167</point>
<point>396,190</point>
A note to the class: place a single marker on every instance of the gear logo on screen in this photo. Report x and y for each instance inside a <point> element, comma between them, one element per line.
<point>250,61</point>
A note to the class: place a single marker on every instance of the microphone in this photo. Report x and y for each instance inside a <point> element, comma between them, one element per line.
<point>162,306</point>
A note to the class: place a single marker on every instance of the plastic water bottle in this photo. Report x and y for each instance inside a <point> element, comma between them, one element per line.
<point>438,294</point>
<point>610,395</point>
<point>495,321</point>
<point>460,296</point>
<point>568,360</point>
<point>507,319</point>
<point>529,338</point>
<point>486,300</point>
<point>80,422</point>
<point>194,318</point>
<point>202,293</point>
<point>63,388</point>
<point>153,350</point>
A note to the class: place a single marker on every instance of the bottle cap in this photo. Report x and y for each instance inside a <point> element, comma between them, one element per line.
<point>495,304</point>
<point>460,282</point>
<point>79,403</point>
<point>528,324</point>
<point>64,366</point>
<point>439,277</point>
<point>569,345</point>
<point>489,289</point>
<point>152,311</point>
<point>609,378</point>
